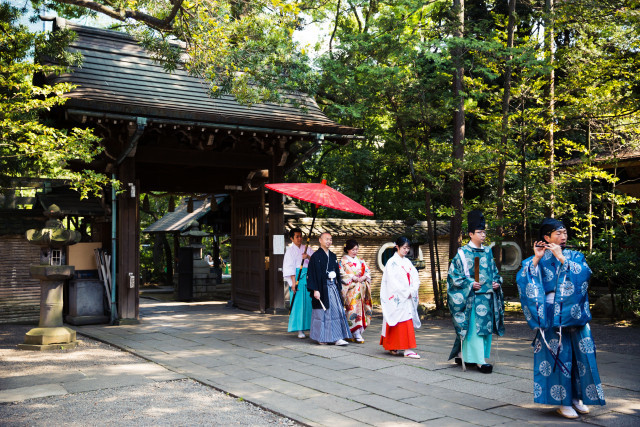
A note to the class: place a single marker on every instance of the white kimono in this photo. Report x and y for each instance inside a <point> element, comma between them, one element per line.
<point>399,293</point>
<point>292,261</point>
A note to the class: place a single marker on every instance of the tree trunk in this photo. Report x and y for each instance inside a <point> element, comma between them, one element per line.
<point>550,45</point>
<point>438,270</point>
<point>168,259</point>
<point>432,259</point>
<point>612,286</point>
<point>590,194</point>
<point>523,175</point>
<point>502,165</point>
<point>457,178</point>
<point>165,246</point>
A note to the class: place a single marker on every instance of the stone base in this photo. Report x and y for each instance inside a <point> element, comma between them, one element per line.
<point>128,321</point>
<point>53,338</point>
<point>48,347</point>
<point>86,320</point>
<point>212,291</point>
<point>85,302</point>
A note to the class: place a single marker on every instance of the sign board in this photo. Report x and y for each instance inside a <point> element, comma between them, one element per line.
<point>278,244</point>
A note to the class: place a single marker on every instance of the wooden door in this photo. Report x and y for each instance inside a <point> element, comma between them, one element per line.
<point>185,274</point>
<point>248,251</point>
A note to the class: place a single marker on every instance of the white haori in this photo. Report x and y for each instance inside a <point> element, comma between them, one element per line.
<point>399,293</point>
<point>292,261</point>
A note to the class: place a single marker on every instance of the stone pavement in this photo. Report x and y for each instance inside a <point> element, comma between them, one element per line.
<point>251,356</point>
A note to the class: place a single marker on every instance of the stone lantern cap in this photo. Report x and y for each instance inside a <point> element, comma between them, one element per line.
<point>53,235</point>
<point>193,231</point>
<point>195,235</point>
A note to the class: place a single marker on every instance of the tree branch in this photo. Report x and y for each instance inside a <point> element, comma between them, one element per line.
<point>123,14</point>
<point>335,28</point>
<point>355,14</point>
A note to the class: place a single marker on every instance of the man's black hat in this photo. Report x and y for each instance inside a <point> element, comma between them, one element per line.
<point>548,226</point>
<point>475,221</point>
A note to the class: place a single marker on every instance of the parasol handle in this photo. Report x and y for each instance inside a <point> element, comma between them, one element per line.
<point>306,248</point>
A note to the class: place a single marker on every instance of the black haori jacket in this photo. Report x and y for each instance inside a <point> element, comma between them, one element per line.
<point>317,276</point>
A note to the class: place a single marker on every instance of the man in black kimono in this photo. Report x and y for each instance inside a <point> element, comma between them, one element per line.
<point>328,321</point>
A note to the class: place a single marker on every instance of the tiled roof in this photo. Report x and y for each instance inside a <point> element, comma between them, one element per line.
<point>620,158</point>
<point>179,219</point>
<point>366,227</point>
<point>119,76</point>
<point>70,203</point>
<point>18,221</point>
<point>291,210</point>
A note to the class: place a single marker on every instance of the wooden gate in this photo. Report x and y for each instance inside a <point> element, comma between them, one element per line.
<point>248,251</point>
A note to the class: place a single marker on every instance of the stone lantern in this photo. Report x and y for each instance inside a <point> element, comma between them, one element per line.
<point>52,272</point>
<point>195,236</point>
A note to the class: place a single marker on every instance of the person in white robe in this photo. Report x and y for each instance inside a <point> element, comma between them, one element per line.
<point>399,301</point>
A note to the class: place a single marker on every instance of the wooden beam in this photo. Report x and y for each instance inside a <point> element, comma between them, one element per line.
<point>188,180</point>
<point>276,227</point>
<point>170,156</point>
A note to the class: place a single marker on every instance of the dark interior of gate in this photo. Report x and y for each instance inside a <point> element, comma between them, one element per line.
<point>162,132</point>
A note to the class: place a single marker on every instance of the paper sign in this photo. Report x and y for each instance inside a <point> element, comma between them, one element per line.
<point>278,244</point>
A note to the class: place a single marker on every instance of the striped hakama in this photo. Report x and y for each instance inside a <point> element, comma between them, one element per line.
<point>330,325</point>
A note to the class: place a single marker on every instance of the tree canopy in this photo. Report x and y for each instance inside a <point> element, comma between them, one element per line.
<point>546,96</point>
<point>29,146</point>
<point>519,108</point>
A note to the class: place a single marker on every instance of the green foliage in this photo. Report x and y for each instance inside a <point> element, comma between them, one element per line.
<point>389,71</point>
<point>153,261</point>
<point>615,262</point>
<point>29,146</point>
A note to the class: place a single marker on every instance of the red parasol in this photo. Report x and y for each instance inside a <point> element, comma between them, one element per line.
<point>320,194</point>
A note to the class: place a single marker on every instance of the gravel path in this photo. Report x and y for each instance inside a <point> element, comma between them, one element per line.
<point>168,403</point>
<point>159,401</point>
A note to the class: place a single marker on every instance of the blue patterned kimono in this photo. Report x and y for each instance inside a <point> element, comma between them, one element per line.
<point>475,314</point>
<point>564,359</point>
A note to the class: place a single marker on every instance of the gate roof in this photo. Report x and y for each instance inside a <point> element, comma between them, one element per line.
<point>119,76</point>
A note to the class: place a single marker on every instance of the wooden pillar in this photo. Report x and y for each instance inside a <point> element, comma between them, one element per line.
<point>128,235</point>
<point>276,227</point>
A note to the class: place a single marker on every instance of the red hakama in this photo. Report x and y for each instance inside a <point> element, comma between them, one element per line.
<point>399,337</point>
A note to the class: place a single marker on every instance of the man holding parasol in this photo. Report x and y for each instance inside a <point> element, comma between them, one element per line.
<point>328,320</point>
<point>320,195</point>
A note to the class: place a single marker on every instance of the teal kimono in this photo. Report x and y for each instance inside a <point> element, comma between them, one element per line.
<point>476,315</point>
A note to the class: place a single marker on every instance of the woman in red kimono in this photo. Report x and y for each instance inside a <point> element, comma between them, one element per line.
<point>356,290</point>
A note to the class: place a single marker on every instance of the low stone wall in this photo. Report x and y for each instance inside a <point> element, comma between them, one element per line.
<point>368,250</point>
<point>19,293</point>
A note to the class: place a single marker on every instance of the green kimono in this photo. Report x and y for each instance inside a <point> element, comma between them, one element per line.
<point>478,314</point>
